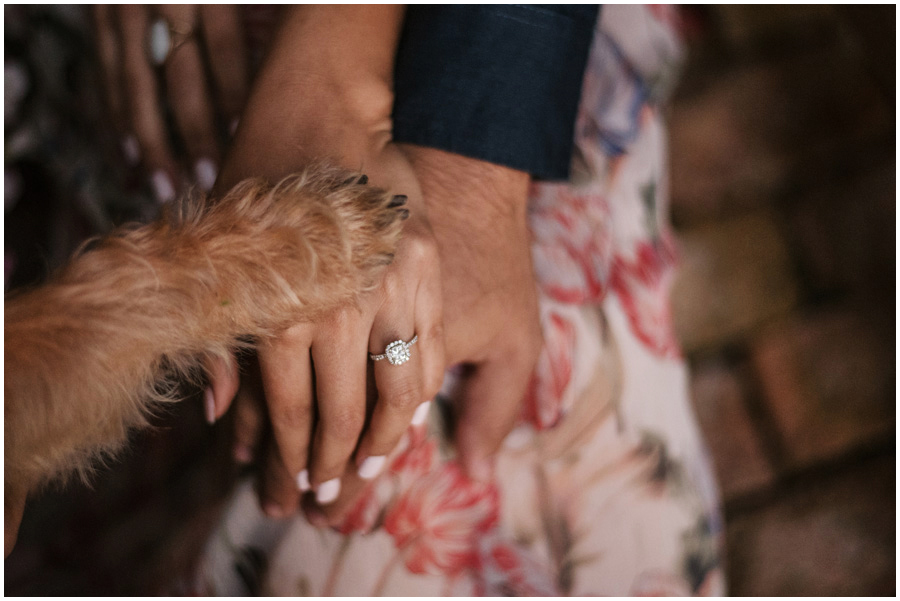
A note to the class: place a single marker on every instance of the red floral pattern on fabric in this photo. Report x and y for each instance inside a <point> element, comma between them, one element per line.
<point>438,520</point>
<point>506,571</point>
<point>572,248</point>
<point>643,285</point>
<point>543,405</point>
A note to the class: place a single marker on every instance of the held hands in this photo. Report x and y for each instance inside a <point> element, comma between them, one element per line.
<point>314,383</point>
<point>491,316</point>
<point>190,58</point>
<point>464,262</point>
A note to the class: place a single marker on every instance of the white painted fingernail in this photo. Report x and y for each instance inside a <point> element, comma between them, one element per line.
<point>162,186</point>
<point>210,405</point>
<point>131,149</point>
<point>371,467</point>
<point>205,171</point>
<point>328,491</point>
<point>232,127</point>
<point>421,414</point>
<point>303,481</point>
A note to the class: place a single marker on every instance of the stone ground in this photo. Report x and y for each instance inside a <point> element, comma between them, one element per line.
<point>784,198</point>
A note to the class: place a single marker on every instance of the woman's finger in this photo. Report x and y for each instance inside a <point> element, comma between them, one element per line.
<point>224,382</point>
<point>223,33</point>
<point>279,497</point>
<point>430,329</point>
<point>186,89</point>
<point>400,387</point>
<point>249,414</point>
<point>142,103</point>
<point>110,53</point>
<point>287,381</point>
<point>339,355</point>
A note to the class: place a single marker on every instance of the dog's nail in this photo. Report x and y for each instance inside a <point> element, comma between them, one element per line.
<point>274,510</point>
<point>421,414</point>
<point>397,201</point>
<point>303,481</point>
<point>242,454</point>
<point>162,186</point>
<point>371,467</point>
<point>232,127</point>
<point>131,149</point>
<point>363,179</point>
<point>328,491</point>
<point>404,214</point>
<point>205,171</point>
<point>210,402</point>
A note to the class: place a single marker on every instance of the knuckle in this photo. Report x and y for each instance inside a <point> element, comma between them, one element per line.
<point>434,333</point>
<point>404,397</point>
<point>344,424</point>
<point>292,416</point>
<point>392,285</point>
<point>422,250</point>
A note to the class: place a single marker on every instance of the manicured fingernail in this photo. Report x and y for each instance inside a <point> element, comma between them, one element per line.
<point>273,510</point>
<point>303,481</point>
<point>328,491</point>
<point>162,186</point>
<point>398,201</point>
<point>242,454</point>
<point>371,467</point>
<point>205,171</point>
<point>131,149</point>
<point>421,414</point>
<point>232,127</point>
<point>210,405</point>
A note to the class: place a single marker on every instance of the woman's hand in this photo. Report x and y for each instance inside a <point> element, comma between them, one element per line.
<point>325,91</point>
<point>314,380</point>
<point>191,58</point>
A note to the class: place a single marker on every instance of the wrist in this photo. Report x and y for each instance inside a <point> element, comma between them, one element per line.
<point>469,193</point>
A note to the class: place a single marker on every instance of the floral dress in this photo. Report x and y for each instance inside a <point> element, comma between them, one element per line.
<point>604,487</point>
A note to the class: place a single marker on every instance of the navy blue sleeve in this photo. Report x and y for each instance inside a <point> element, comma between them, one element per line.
<point>496,83</point>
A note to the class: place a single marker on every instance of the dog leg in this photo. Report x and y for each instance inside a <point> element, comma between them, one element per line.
<point>88,354</point>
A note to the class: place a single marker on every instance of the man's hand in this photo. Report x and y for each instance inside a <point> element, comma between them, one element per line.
<point>491,317</point>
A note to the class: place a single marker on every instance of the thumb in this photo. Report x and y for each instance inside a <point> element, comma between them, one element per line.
<point>490,406</point>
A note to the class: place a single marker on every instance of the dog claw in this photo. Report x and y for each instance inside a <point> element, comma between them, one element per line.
<point>362,180</point>
<point>397,201</point>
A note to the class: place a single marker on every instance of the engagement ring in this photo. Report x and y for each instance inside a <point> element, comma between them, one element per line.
<point>397,352</point>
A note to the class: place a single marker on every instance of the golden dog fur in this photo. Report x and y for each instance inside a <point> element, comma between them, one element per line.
<point>89,354</point>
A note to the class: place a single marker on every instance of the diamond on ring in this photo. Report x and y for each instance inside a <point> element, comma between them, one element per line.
<point>397,352</point>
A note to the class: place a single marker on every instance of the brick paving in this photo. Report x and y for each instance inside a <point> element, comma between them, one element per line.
<point>784,198</point>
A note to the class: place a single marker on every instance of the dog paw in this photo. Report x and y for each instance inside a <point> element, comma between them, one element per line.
<point>313,240</point>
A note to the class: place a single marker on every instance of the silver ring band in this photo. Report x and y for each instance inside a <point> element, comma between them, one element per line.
<point>397,352</point>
